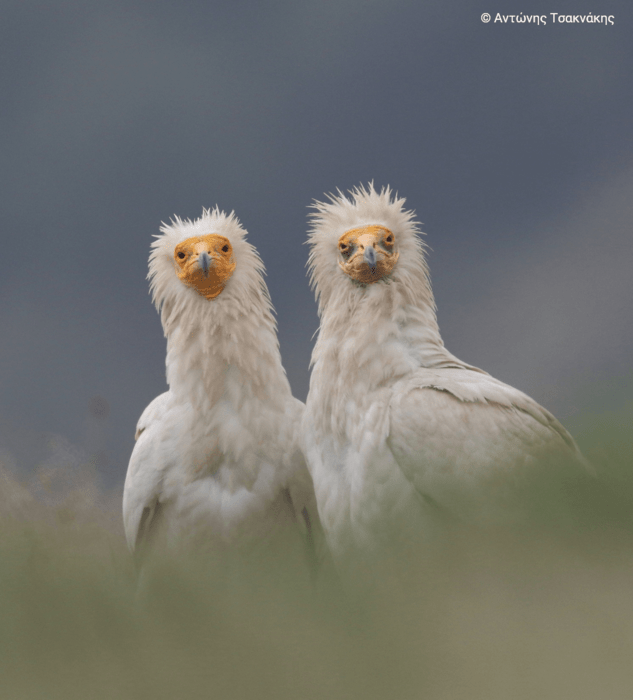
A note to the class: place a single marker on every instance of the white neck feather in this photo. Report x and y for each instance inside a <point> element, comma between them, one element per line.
<point>369,339</point>
<point>223,350</point>
<point>376,334</point>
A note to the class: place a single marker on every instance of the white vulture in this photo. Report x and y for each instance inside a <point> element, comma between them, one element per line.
<point>399,435</point>
<point>217,463</point>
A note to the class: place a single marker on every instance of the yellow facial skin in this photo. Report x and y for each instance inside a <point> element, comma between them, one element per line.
<point>205,263</point>
<point>367,253</point>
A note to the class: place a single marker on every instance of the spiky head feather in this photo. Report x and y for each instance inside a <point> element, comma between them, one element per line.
<point>245,291</point>
<point>366,207</point>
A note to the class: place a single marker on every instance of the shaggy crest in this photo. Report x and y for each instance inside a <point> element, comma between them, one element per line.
<point>245,291</point>
<point>365,207</point>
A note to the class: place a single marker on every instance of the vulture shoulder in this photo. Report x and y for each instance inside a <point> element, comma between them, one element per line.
<point>461,436</point>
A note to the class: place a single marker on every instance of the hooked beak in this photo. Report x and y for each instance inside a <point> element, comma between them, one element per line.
<point>370,257</point>
<point>204,261</point>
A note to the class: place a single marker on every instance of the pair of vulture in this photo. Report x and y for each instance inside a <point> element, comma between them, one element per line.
<point>396,433</point>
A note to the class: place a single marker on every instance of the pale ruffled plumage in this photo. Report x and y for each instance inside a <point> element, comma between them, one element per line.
<point>217,463</point>
<point>397,431</point>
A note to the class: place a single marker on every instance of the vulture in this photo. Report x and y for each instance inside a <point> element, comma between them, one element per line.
<point>401,437</point>
<point>217,464</point>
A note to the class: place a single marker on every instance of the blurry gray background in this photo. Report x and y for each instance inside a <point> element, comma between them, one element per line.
<point>513,143</point>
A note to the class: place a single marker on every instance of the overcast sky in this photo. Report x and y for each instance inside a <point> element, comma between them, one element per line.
<point>513,142</point>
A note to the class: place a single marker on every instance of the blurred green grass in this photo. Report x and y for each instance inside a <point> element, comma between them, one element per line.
<point>503,615</point>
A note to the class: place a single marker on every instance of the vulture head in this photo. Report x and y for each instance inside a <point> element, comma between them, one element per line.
<point>365,241</point>
<point>206,267</point>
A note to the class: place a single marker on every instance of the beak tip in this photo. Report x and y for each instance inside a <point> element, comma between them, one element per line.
<point>370,257</point>
<point>205,262</point>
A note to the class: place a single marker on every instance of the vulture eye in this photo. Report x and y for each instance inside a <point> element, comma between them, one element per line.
<point>389,239</point>
<point>225,248</point>
<point>181,255</point>
<point>344,248</point>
